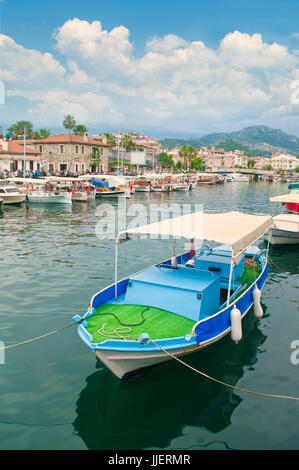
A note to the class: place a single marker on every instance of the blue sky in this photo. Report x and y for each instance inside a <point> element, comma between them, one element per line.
<point>160,40</point>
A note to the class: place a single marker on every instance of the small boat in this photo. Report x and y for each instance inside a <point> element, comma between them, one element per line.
<point>184,303</point>
<point>239,178</point>
<point>142,185</point>
<point>285,230</point>
<point>103,190</point>
<point>11,194</point>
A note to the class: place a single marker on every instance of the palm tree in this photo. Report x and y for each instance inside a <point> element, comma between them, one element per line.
<point>128,143</point>
<point>21,127</point>
<point>69,123</point>
<point>80,129</point>
<point>110,139</point>
<point>187,153</point>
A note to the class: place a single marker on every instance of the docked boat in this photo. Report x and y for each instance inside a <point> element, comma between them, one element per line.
<point>110,187</point>
<point>285,230</point>
<point>184,303</point>
<point>11,194</point>
<point>142,185</point>
<point>43,191</point>
<point>239,178</point>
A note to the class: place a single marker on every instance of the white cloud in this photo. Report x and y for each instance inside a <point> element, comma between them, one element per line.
<point>176,84</point>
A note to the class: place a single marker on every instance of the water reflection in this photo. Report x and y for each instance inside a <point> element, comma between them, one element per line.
<point>151,409</point>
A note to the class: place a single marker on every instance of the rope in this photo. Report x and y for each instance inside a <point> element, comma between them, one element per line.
<point>38,337</point>
<point>220,381</point>
<point>76,323</point>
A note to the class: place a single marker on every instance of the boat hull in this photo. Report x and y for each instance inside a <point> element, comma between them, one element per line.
<point>13,199</point>
<point>128,363</point>
<point>283,237</point>
<point>50,198</point>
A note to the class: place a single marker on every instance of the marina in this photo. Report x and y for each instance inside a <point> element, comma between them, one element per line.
<point>50,249</point>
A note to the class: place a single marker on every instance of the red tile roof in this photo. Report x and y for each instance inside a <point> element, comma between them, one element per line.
<point>73,139</point>
<point>15,148</point>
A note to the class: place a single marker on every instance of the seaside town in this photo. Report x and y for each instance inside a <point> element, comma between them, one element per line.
<point>149,223</point>
<point>128,153</point>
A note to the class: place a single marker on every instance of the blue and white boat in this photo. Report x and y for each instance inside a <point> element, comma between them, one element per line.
<point>184,303</point>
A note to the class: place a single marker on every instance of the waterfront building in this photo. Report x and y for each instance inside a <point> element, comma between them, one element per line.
<point>284,162</point>
<point>72,153</point>
<point>12,156</point>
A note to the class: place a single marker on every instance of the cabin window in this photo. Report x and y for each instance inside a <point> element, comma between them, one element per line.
<point>2,191</point>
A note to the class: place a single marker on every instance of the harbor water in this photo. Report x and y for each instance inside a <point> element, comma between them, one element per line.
<point>54,394</point>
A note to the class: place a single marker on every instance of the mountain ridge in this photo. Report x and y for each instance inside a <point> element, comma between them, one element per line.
<point>260,139</point>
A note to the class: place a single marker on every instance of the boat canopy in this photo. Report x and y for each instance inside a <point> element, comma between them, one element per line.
<point>292,197</point>
<point>237,230</point>
<point>97,183</point>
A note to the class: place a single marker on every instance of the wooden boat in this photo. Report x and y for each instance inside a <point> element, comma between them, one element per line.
<point>182,304</point>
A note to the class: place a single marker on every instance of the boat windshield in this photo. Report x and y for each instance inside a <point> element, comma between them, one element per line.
<point>12,190</point>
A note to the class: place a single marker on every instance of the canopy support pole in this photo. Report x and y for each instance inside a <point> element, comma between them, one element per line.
<point>116,264</point>
<point>230,280</point>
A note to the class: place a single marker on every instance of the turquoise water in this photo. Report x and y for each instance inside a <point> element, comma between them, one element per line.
<point>54,394</point>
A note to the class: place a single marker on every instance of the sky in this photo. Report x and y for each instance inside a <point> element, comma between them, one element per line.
<point>168,68</point>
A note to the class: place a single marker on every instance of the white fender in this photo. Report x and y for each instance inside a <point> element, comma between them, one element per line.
<point>236,323</point>
<point>258,311</point>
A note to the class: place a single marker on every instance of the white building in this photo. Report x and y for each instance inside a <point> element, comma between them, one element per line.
<point>284,162</point>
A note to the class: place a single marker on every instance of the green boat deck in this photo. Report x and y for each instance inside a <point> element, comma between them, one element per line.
<point>158,323</point>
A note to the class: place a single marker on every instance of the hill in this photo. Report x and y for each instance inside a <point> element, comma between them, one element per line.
<point>261,140</point>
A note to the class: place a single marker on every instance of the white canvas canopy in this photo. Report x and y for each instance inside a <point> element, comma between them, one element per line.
<point>292,197</point>
<point>234,229</point>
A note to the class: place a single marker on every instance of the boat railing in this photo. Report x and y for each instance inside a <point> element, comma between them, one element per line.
<point>185,267</point>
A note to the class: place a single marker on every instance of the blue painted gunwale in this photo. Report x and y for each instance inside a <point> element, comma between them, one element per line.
<point>204,332</point>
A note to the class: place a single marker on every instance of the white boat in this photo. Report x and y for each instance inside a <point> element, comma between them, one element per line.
<point>239,178</point>
<point>285,230</point>
<point>10,194</point>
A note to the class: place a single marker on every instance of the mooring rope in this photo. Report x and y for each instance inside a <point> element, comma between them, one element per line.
<point>117,333</point>
<point>271,395</point>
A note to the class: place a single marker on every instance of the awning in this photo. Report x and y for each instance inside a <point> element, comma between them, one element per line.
<point>292,197</point>
<point>234,229</point>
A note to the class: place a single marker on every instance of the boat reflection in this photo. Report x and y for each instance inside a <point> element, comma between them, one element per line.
<point>153,407</point>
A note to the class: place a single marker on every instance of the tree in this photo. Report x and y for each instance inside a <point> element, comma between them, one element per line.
<point>80,129</point>
<point>196,163</point>
<point>250,163</point>
<point>96,159</point>
<point>187,153</point>
<point>268,167</point>
<point>42,134</point>
<point>297,169</point>
<point>21,127</point>
<point>179,165</point>
<point>110,139</point>
<point>69,123</point>
<point>166,160</point>
<point>128,143</point>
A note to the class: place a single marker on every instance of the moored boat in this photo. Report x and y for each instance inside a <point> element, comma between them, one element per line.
<point>182,304</point>
<point>11,194</point>
<point>285,230</point>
